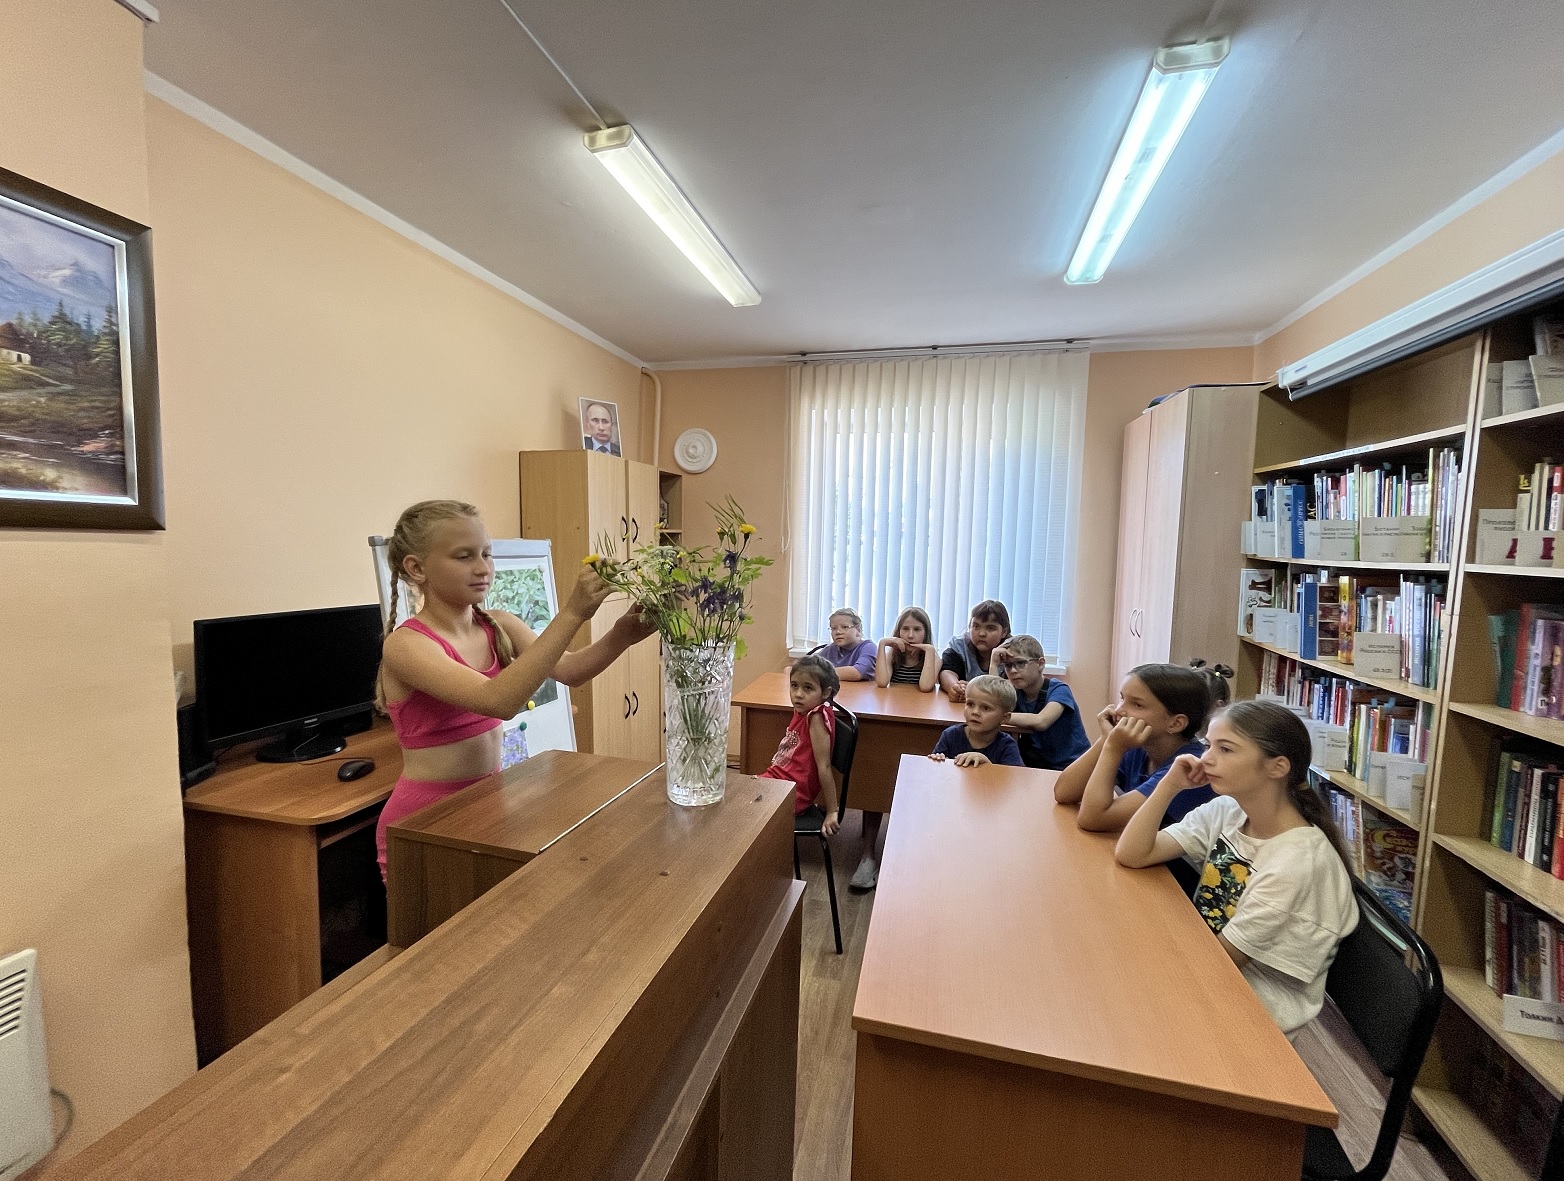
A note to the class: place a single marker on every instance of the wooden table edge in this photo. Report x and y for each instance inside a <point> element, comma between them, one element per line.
<point>298,819</point>
<point>1327,1117</point>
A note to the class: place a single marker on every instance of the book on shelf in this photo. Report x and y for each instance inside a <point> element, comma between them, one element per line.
<point>1528,653</point>
<point>1517,388</point>
<point>1520,948</point>
<point>1376,721</point>
<point>1510,1101</point>
<point>1547,334</point>
<point>1495,539</point>
<point>1389,860</point>
<point>1547,374</point>
<point>1256,590</point>
<point>1522,803</point>
<point>1539,503</point>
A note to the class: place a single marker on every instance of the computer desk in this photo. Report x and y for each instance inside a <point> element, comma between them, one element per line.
<point>1029,1008</point>
<point>892,721</point>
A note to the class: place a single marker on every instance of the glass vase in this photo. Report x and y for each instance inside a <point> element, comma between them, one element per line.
<point>697,694</point>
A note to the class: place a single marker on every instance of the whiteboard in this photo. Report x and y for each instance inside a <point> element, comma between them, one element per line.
<point>524,586</point>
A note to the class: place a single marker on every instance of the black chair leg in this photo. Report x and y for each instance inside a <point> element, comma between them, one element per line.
<point>797,876</point>
<point>830,889</point>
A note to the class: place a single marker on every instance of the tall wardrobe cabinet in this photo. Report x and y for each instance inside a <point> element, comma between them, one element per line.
<point>573,498</point>
<point>1184,495</point>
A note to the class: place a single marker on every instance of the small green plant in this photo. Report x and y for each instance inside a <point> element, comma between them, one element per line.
<point>695,597</point>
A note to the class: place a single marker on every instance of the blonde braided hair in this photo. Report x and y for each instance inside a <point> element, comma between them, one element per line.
<point>412,537</point>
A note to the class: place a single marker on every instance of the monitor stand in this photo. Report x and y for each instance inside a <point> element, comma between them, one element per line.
<point>302,743</point>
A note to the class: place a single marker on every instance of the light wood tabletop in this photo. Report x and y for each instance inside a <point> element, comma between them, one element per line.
<point>301,793</point>
<point>542,1032</point>
<point>899,703</point>
<point>1002,931</point>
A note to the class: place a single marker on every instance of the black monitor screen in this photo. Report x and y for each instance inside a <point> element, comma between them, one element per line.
<point>258,674</point>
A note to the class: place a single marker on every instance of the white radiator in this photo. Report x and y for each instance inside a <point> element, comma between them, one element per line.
<point>26,1123</point>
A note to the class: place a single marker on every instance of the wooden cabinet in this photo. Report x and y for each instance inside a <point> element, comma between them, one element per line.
<point>1184,494</point>
<point>574,498</point>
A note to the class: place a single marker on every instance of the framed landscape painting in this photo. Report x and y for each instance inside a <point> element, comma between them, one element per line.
<point>79,444</point>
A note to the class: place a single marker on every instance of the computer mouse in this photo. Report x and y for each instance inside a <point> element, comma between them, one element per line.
<point>355,769</point>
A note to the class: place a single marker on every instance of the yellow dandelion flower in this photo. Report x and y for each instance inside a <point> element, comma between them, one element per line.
<point>746,528</point>
<point>591,559</point>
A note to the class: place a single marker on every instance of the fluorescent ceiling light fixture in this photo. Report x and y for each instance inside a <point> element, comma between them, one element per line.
<point>626,156</point>
<point>1180,76</point>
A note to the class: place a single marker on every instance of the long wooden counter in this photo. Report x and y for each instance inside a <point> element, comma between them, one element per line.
<point>623,1005</point>
<point>1029,1008</point>
<point>892,721</point>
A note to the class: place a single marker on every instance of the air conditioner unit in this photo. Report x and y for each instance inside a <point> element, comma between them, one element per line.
<point>26,1123</point>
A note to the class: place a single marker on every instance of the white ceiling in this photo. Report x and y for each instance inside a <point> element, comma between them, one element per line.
<point>888,172</point>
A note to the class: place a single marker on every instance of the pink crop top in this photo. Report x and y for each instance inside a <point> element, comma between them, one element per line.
<point>420,720</point>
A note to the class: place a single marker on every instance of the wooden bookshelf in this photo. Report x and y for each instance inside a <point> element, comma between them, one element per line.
<point>1544,1059</point>
<point>1393,567</point>
<point>1347,455</point>
<point>1468,1137</point>
<point>1337,669</point>
<point>1546,729</point>
<point>1359,790</point>
<point>1436,399</point>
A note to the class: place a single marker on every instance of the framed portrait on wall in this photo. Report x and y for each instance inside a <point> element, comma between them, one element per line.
<point>524,586</point>
<point>600,426</point>
<point>79,446</point>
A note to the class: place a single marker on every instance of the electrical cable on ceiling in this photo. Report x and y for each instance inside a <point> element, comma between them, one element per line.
<point>601,122</point>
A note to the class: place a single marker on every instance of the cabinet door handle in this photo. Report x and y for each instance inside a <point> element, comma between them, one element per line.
<point>624,529</point>
<point>1132,621</point>
<point>635,697</point>
<point>627,705</point>
<point>1135,621</point>
<point>635,529</point>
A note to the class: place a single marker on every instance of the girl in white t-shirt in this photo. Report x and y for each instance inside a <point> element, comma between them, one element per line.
<point>1274,885</point>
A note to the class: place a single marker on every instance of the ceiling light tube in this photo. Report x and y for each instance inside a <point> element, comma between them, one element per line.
<point>630,161</point>
<point>1180,76</point>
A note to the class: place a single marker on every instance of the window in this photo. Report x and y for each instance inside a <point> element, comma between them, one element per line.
<point>936,483</point>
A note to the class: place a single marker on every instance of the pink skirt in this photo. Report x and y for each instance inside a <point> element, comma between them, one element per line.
<point>409,796</point>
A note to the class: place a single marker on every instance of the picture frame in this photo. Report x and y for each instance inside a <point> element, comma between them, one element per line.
<point>594,412</point>
<point>80,446</point>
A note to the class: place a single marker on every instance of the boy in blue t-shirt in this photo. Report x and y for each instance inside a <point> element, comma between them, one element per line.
<point>980,741</point>
<point>1046,718</point>
<point>848,652</point>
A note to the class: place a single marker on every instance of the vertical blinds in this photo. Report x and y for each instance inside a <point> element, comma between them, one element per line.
<point>936,482</point>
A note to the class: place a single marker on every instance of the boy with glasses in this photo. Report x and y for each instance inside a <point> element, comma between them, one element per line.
<point>1046,719</point>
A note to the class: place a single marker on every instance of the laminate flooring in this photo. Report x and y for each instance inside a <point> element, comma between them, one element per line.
<point>824,1126</point>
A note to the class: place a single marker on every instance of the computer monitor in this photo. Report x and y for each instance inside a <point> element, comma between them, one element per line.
<point>293,673</point>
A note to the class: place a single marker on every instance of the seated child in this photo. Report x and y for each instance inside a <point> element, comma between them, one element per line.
<point>1161,709</point>
<point>908,656</point>
<point>1274,887</point>
<point>967,656</point>
<point>1049,723</point>
<point>848,652</point>
<point>980,741</point>
<point>804,754</point>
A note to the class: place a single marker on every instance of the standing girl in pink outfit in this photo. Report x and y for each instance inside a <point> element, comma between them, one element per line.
<point>452,673</point>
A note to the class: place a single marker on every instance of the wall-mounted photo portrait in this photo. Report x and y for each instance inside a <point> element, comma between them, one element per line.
<point>600,426</point>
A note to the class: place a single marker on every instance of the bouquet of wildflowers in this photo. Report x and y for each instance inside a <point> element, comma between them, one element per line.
<point>696,597</point>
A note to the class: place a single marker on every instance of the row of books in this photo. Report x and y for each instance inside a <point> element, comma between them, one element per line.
<point>1513,386</point>
<point>1539,505</point>
<point>1528,655</point>
<point>1377,722</point>
<point>1336,614</point>
<point>1522,806</point>
<point>1521,949</point>
<point>1510,1101</point>
<point>1383,491</point>
<point>1381,852</point>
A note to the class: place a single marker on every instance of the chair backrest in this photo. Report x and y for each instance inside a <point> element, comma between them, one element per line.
<point>843,745</point>
<point>1387,984</point>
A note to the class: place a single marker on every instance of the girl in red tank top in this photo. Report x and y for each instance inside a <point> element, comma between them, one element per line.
<point>804,755</point>
<point>450,675</point>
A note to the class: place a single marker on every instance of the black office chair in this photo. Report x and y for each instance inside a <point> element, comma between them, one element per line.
<point>1387,985</point>
<point>842,747</point>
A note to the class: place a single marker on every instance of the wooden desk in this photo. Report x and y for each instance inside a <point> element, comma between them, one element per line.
<point>894,721</point>
<point>446,856</point>
<point>1029,1008</point>
<point>272,913</point>
<point>624,1005</point>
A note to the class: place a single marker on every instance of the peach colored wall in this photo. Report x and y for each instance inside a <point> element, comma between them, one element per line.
<point>321,372</point>
<point>1527,209</point>
<point>746,410</point>
<point>92,869</point>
